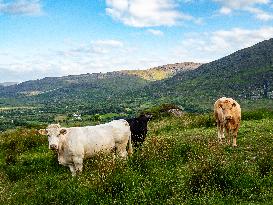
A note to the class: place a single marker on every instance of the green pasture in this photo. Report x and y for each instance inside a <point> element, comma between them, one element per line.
<point>181,162</point>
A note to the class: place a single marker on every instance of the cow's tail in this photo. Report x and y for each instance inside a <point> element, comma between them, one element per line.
<point>130,147</point>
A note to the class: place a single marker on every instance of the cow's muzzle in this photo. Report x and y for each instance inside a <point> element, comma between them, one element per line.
<point>228,117</point>
<point>53,147</point>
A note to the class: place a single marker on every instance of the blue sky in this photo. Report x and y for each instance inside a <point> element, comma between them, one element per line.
<point>40,38</point>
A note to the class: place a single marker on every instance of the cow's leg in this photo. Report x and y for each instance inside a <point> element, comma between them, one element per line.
<point>220,128</point>
<point>142,138</point>
<point>222,131</point>
<point>135,140</point>
<point>228,135</point>
<point>121,150</point>
<point>113,153</point>
<point>78,163</point>
<point>72,169</point>
<point>235,133</point>
<point>234,141</point>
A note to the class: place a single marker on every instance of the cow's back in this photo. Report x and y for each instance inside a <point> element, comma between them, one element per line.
<point>121,130</point>
<point>90,140</point>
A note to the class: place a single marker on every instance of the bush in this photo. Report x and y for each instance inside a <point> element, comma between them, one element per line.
<point>257,115</point>
<point>160,110</point>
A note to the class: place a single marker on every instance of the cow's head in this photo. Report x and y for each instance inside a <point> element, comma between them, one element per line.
<point>227,108</point>
<point>145,117</point>
<point>149,116</point>
<point>53,131</point>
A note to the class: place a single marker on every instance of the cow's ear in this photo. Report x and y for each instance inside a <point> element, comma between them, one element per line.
<point>149,116</point>
<point>234,104</point>
<point>42,132</point>
<point>63,131</point>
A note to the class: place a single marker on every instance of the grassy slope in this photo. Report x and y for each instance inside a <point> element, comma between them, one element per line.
<point>241,75</point>
<point>151,74</point>
<point>180,163</point>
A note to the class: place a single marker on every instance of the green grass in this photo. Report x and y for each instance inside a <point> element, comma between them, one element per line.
<point>181,162</point>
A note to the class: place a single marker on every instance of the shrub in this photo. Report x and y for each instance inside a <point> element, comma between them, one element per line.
<point>257,115</point>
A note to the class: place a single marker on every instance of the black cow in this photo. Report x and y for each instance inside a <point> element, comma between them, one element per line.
<point>138,127</point>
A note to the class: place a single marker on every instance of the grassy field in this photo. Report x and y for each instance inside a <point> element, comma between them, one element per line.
<point>181,162</point>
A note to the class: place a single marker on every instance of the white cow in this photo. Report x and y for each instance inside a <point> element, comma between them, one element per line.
<point>76,143</point>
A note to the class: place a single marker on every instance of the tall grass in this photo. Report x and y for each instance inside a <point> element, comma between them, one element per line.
<point>181,162</point>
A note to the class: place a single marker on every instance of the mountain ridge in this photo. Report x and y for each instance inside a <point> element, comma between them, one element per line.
<point>246,74</point>
<point>39,86</point>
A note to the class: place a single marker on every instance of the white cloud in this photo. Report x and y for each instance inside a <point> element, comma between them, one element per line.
<point>21,7</point>
<point>241,4</point>
<point>205,47</point>
<point>96,56</point>
<point>225,10</point>
<point>111,43</point>
<point>143,13</point>
<point>110,55</point>
<point>155,32</point>
<point>260,14</point>
<point>95,47</point>
<point>228,6</point>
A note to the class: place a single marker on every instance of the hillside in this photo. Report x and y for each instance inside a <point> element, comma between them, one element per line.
<point>42,101</point>
<point>88,94</point>
<point>91,93</point>
<point>245,75</point>
<point>163,72</point>
<point>84,81</point>
<point>51,84</point>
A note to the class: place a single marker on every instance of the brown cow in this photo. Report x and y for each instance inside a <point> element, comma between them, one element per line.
<point>227,113</point>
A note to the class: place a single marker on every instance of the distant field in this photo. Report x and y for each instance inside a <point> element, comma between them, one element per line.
<point>180,163</point>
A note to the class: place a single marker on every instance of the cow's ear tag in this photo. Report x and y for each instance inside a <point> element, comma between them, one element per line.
<point>42,132</point>
<point>63,131</point>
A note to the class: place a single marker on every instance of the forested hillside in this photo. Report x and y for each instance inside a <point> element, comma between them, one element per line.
<point>245,75</point>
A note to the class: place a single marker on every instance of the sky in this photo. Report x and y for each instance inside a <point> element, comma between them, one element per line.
<point>46,38</point>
